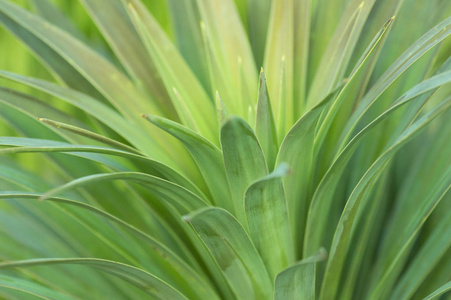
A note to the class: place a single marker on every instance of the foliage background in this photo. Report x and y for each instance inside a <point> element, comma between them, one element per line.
<point>415,167</point>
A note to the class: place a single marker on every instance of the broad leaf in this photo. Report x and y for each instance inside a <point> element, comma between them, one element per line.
<point>233,251</point>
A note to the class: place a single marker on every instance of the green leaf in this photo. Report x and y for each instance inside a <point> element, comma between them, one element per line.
<point>278,63</point>
<point>343,233</point>
<point>438,192</point>
<point>176,195</point>
<point>434,248</point>
<point>112,19</point>
<point>26,145</point>
<point>298,281</point>
<point>31,288</point>
<point>187,34</point>
<point>257,16</point>
<point>243,160</point>
<point>230,49</point>
<point>266,211</point>
<point>141,279</point>
<point>265,126</point>
<point>190,280</point>
<point>301,22</point>
<point>233,251</point>
<point>107,79</point>
<point>207,156</point>
<point>322,199</point>
<point>167,59</point>
<point>341,99</point>
<point>338,53</point>
<point>297,151</point>
<point>134,134</point>
<point>52,14</point>
<point>440,291</point>
<point>413,53</point>
<point>91,135</point>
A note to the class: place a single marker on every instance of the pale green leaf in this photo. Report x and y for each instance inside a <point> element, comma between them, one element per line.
<point>343,233</point>
<point>175,73</point>
<point>266,211</point>
<point>174,194</point>
<point>413,53</point>
<point>323,197</point>
<point>297,151</point>
<point>207,156</point>
<point>189,279</point>
<point>112,19</point>
<point>440,291</point>
<point>31,288</point>
<point>141,279</point>
<point>233,251</point>
<point>243,159</point>
<point>298,281</point>
<point>265,126</point>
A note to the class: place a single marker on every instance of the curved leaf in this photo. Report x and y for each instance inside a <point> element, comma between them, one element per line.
<point>297,151</point>
<point>207,156</point>
<point>440,291</point>
<point>243,160</point>
<point>141,279</point>
<point>413,53</point>
<point>298,281</point>
<point>266,212</point>
<point>178,196</point>
<point>171,262</point>
<point>35,289</point>
<point>167,59</point>
<point>341,240</point>
<point>323,197</point>
<point>27,145</point>
<point>265,126</point>
<point>233,251</point>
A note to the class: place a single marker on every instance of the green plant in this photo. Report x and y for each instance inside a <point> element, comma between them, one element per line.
<point>171,172</point>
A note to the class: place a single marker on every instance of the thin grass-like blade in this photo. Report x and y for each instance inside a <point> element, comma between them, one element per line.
<point>319,209</point>
<point>50,12</point>
<point>175,73</point>
<point>233,251</point>
<point>188,37</point>
<point>335,59</point>
<point>140,278</point>
<point>297,151</point>
<point>341,98</point>
<point>104,76</point>
<point>112,19</point>
<point>32,288</point>
<point>413,53</point>
<point>425,261</point>
<point>440,291</point>
<point>243,159</point>
<point>265,125</point>
<point>298,281</point>
<point>89,134</point>
<point>134,134</point>
<point>266,211</point>
<point>207,156</point>
<point>28,145</point>
<point>438,192</point>
<point>178,196</point>
<point>188,279</point>
<point>302,19</point>
<point>278,63</point>
<point>343,233</point>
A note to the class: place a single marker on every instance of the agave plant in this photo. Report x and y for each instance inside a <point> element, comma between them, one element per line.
<point>166,166</point>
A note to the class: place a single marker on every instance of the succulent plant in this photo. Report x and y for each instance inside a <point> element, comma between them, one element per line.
<point>219,149</point>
